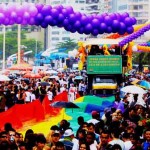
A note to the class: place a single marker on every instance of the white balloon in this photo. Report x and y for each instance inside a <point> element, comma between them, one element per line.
<point>134,48</point>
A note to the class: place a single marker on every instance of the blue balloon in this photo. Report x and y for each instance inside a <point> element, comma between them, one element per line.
<point>39,17</point>
<point>81,30</point>
<point>66,22</point>
<point>100,18</point>
<point>39,7</point>
<point>130,30</point>
<point>54,13</point>
<point>122,27</point>
<point>64,12</point>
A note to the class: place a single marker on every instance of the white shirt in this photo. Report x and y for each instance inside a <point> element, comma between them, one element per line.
<point>50,95</point>
<point>119,142</point>
<point>94,121</point>
<point>28,96</point>
<point>128,145</point>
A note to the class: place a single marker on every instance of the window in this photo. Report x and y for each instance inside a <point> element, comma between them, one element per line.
<point>55,32</point>
<point>66,38</point>
<point>55,39</point>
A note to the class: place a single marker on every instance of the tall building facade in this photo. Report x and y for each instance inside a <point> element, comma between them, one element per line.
<point>140,9</point>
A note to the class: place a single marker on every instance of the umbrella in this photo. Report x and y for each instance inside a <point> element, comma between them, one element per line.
<point>133,89</point>
<point>32,75</point>
<point>78,78</point>
<point>51,72</point>
<point>4,78</point>
<point>144,84</point>
<point>53,77</point>
<point>44,84</point>
<point>62,104</point>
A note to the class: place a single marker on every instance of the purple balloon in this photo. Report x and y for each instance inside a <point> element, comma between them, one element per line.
<point>19,20</point>
<point>66,22</point>
<point>68,28</point>
<point>88,28</point>
<point>54,23</point>
<point>130,30</point>
<point>46,10</point>
<point>44,25</point>
<point>61,17</point>
<point>31,21</point>
<point>95,32</point>
<point>128,21</point>
<point>6,21</point>
<point>26,16</point>
<point>133,21</point>
<point>2,17</point>
<point>58,7</point>
<point>115,24</point>
<point>48,19</point>
<point>77,24</point>
<point>72,18</point>
<point>100,18</point>
<point>69,9</point>
<point>39,17</point>
<point>109,30</point>
<point>113,16</point>
<point>2,7</point>
<point>81,30</point>
<point>84,20</point>
<point>108,20</point>
<point>24,22</point>
<point>11,22</point>
<point>19,10</point>
<point>78,15</point>
<point>124,15</point>
<point>54,13</point>
<point>95,22</point>
<point>64,12</point>
<point>13,15</point>
<point>39,7</point>
<point>122,27</point>
<point>102,27</point>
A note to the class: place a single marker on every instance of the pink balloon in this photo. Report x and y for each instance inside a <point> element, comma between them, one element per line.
<point>2,17</point>
<point>2,8</point>
<point>33,11</point>
<point>13,15</point>
<point>19,10</point>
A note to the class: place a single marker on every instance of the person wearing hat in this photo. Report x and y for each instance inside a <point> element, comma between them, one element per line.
<point>95,117</point>
<point>55,137</point>
<point>70,142</point>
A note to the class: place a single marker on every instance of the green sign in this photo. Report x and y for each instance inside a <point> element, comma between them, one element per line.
<point>105,64</point>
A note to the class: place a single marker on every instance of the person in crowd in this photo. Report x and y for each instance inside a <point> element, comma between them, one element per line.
<point>40,142</point>
<point>59,146</point>
<point>95,117</point>
<point>104,139</point>
<point>50,94</point>
<point>115,138</point>
<point>84,146</point>
<point>127,142</point>
<point>72,93</point>
<point>55,137</point>
<point>90,140</point>
<point>146,142</point>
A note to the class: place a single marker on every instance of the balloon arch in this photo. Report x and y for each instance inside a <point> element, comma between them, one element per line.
<point>61,16</point>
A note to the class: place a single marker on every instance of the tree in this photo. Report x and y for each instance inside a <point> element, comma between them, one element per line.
<point>69,45</point>
<point>12,46</point>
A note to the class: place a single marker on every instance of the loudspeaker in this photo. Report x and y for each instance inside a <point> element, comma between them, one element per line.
<point>124,61</point>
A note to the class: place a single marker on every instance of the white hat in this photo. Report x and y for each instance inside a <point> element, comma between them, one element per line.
<point>68,132</point>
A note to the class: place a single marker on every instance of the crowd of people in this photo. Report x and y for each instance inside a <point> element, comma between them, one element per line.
<point>124,126</point>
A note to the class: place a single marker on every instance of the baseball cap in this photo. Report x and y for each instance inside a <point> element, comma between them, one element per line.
<point>55,132</point>
<point>95,113</point>
<point>68,132</point>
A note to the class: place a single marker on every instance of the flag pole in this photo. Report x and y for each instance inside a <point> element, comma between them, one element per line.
<point>4,41</point>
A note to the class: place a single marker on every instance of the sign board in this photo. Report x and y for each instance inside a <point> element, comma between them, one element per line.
<point>104,64</point>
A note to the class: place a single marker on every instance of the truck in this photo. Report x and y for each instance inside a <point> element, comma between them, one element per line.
<point>104,65</point>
